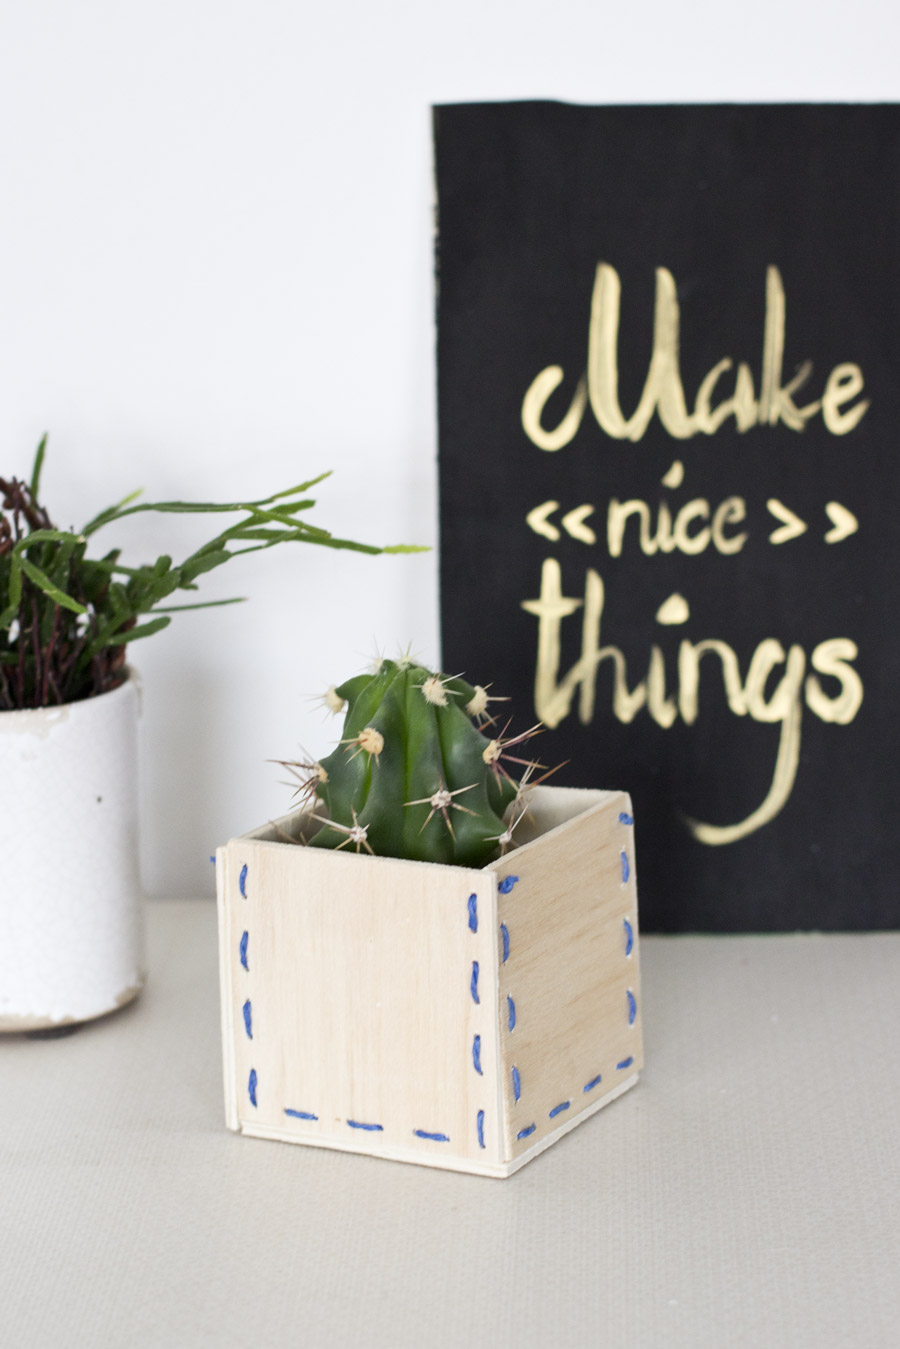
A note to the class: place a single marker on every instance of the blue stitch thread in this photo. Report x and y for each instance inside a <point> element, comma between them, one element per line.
<point>372,1128</point>
<point>245,937</point>
<point>300,1114</point>
<point>242,881</point>
<point>251,1086</point>
<point>507,884</point>
<point>625,818</point>
<point>511,1007</point>
<point>474,984</point>
<point>558,1109</point>
<point>594,1082</point>
<point>523,1133</point>
<point>479,1125</point>
<point>248,1019</point>
<point>213,860</point>
<point>629,937</point>
<point>632,1006</point>
<point>504,933</point>
<point>435,1138</point>
<point>626,1063</point>
<point>626,869</point>
<point>517,1082</point>
<point>473,913</point>
<point>476,1054</point>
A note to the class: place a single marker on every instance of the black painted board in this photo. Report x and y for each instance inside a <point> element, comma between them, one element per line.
<point>653,252</point>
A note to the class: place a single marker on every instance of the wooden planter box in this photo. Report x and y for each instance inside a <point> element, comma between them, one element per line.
<point>454,1017</point>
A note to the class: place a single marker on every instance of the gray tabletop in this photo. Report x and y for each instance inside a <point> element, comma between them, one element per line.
<point>744,1193</point>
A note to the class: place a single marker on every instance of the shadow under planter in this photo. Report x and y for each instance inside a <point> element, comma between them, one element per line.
<point>455,1017</point>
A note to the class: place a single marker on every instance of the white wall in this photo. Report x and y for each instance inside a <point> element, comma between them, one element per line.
<point>216,280</point>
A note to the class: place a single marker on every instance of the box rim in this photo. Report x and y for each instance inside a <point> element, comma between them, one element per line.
<point>599,797</point>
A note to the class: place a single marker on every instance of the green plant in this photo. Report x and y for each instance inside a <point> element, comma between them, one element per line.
<point>413,775</point>
<point>66,618</point>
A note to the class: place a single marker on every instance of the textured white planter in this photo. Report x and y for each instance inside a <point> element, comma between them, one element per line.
<point>70,902</point>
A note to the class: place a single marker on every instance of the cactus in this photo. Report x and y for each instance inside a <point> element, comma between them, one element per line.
<point>413,775</point>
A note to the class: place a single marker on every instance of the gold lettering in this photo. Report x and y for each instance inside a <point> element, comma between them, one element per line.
<point>626,704</point>
<point>844,383</point>
<point>830,658</point>
<point>553,700</point>
<point>663,391</point>
<point>692,543</point>
<point>553,697</point>
<point>689,677</point>
<point>704,418</point>
<point>783,779</point>
<point>776,401</point>
<point>667,537</point>
<point>535,401</point>
<point>617,518</point>
<point>741,405</point>
<point>785,706</point>
<point>766,656</point>
<point>663,710</point>
<point>732,511</point>
<point>663,388</point>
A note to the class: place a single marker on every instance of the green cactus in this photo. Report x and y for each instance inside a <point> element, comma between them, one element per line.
<point>413,775</point>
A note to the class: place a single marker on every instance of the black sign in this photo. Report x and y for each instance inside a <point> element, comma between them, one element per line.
<point>669,402</point>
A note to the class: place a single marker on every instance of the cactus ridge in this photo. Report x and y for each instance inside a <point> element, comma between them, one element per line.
<point>413,776</point>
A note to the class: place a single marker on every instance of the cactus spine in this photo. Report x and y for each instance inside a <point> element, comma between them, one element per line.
<point>413,775</point>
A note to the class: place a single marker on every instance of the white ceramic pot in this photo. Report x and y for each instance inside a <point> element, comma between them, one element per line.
<point>71,940</point>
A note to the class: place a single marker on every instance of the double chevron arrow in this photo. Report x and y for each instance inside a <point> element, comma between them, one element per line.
<point>844,522</point>
<point>572,523</point>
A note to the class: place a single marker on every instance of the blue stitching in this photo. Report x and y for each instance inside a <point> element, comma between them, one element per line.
<point>213,860</point>
<point>505,888</point>
<point>625,818</point>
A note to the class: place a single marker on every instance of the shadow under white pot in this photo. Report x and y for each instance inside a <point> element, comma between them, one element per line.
<point>71,936</point>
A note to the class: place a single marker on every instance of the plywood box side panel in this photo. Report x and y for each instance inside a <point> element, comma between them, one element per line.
<point>555,806</point>
<point>362,1000</point>
<point>569,1004</point>
<point>226,993</point>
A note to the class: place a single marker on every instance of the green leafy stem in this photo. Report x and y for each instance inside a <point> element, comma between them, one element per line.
<point>65,618</point>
